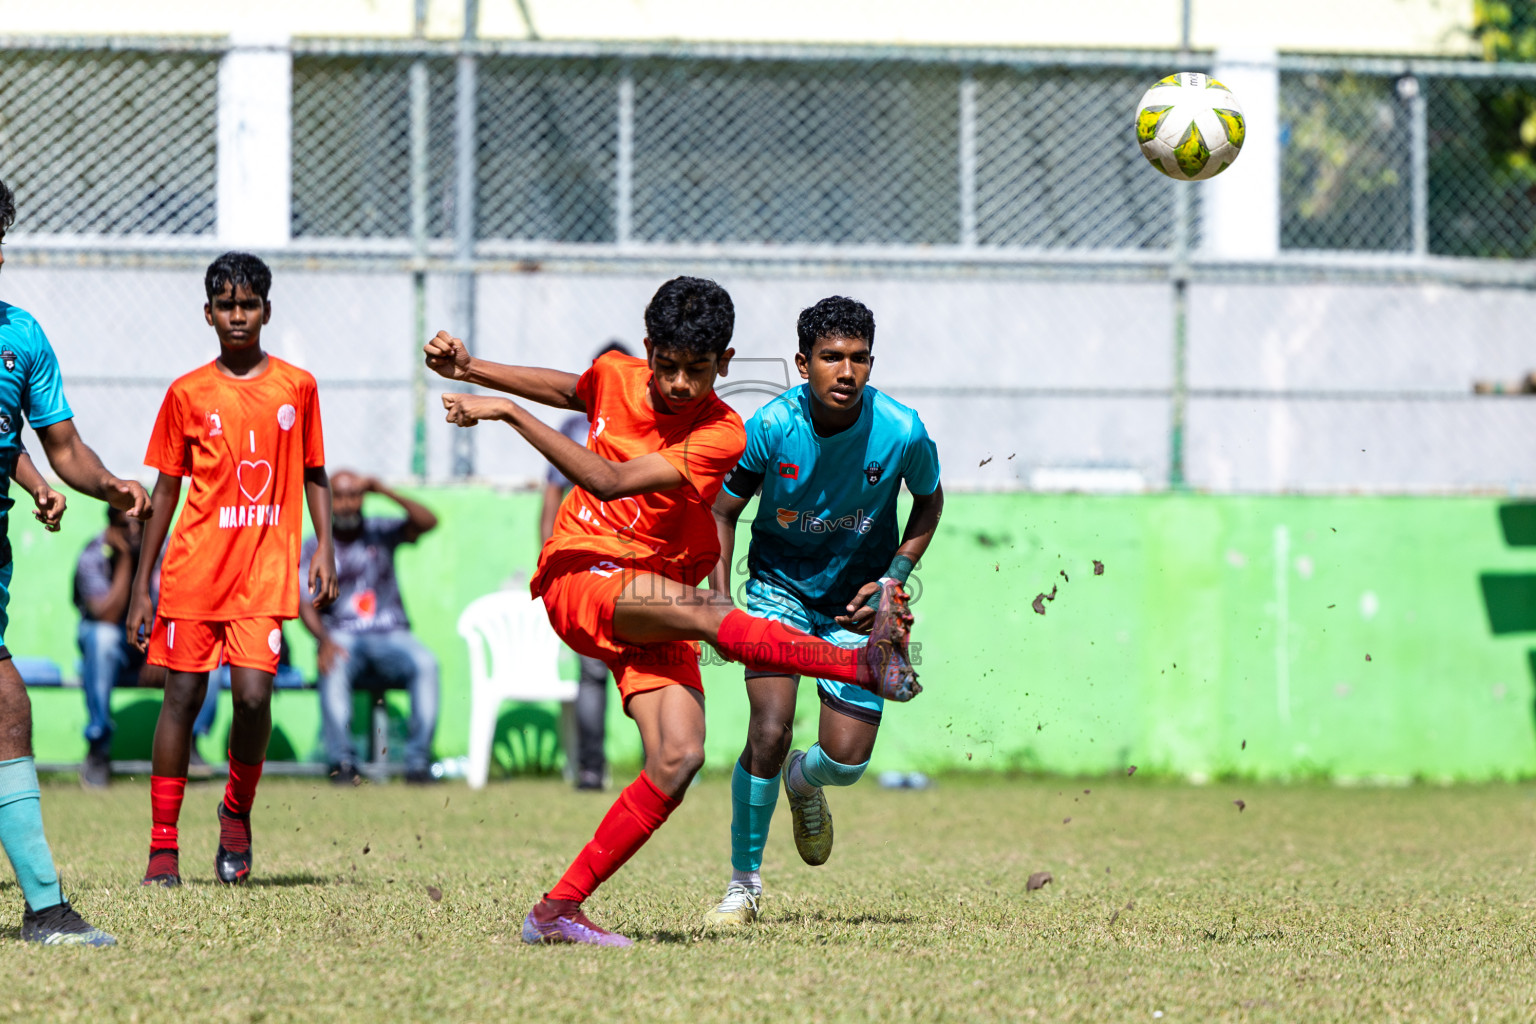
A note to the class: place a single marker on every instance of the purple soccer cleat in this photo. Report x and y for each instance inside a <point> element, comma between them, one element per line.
<point>885,668</point>
<point>567,924</point>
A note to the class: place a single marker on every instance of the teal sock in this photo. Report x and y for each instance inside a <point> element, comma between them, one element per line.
<point>21,833</point>
<point>752,803</point>
<point>821,770</point>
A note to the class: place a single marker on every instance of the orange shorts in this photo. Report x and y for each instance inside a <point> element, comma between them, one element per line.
<point>191,646</point>
<point>579,591</point>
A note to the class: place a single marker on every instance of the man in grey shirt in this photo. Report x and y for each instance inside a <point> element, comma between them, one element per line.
<point>592,688</point>
<point>365,631</point>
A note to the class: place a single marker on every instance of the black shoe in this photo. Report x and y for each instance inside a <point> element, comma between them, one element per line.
<point>420,776</point>
<point>164,869</point>
<point>233,861</point>
<point>344,774</point>
<point>586,779</point>
<point>96,771</point>
<point>60,925</point>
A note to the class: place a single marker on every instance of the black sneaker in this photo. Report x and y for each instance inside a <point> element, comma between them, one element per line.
<point>420,776</point>
<point>587,779</point>
<point>60,925</point>
<point>96,771</point>
<point>233,861</point>
<point>164,869</point>
<point>344,774</point>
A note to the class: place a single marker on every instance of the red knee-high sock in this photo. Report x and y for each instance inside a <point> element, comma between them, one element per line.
<point>240,793</point>
<point>638,812</point>
<point>766,645</point>
<point>165,794</point>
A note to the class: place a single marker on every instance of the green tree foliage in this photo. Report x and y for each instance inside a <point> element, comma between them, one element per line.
<point>1506,31</point>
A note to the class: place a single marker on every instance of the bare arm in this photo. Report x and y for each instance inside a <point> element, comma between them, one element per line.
<point>50,503</point>
<point>603,478</point>
<point>447,357</point>
<point>327,652</point>
<point>727,512</point>
<point>322,565</point>
<point>554,494</point>
<point>419,519</point>
<point>141,608</point>
<point>922,522</point>
<point>80,468</point>
<point>113,605</point>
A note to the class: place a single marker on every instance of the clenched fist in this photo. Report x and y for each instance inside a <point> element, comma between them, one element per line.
<point>447,356</point>
<point>467,410</point>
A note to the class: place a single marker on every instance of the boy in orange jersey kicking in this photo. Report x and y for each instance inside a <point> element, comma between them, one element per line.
<point>632,541</point>
<point>246,429</point>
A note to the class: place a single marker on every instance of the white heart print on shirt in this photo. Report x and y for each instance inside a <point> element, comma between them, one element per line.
<point>248,474</point>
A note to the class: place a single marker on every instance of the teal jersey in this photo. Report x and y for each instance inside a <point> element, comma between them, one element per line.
<point>826,523</point>
<point>31,387</point>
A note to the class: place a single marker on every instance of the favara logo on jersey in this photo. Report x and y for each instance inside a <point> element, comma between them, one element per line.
<point>856,521</point>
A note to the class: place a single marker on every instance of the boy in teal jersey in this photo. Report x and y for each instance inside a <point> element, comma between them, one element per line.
<point>31,387</point>
<point>829,458</point>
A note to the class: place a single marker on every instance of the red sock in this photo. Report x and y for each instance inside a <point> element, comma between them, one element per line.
<point>240,793</point>
<point>165,795</point>
<point>766,645</point>
<point>638,812</point>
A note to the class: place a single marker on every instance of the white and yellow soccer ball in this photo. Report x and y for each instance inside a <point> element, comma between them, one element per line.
<point>1190,126</point>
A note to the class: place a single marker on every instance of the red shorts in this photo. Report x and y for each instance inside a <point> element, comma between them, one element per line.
<point>579,590</point>
<point>189,645</point>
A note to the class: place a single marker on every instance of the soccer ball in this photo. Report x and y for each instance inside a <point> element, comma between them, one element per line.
<point>1190,126</point>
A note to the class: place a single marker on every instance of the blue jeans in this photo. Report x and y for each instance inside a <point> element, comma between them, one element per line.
<point>394,657</point>
<point>105,659</point>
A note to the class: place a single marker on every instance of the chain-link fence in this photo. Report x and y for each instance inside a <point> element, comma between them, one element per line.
<point>1056,310</point>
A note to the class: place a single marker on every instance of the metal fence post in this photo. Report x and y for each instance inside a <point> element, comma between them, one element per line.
<point>1179,276</point>
<point>624,160</point>
<point>419,108</point>
<point>1412,88</point>
<point>465,166</point>
<point>967,158</point>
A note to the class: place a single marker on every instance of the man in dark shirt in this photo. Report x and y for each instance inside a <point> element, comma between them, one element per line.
<point>103,578</point>
<point>592,688</point>
<point>365,630</point>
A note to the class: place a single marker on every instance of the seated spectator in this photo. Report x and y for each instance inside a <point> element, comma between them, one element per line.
<point>592,687</point>
<point>103,577</point>
<point>365,631</point>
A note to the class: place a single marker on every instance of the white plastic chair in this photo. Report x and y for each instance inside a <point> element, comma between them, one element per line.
<point>514,654</point>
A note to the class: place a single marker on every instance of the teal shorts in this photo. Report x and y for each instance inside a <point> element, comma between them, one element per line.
<point>769,602</point>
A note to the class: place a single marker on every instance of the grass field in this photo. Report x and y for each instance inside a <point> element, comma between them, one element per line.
<point>1311,903</point>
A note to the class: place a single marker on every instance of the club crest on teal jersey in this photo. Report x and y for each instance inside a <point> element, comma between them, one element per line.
<point>873,472</point>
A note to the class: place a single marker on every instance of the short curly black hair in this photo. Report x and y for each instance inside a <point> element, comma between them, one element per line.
<point>7,208</point>
<point>235,269</point>
<point>836,316</point>
<point>690,315</point>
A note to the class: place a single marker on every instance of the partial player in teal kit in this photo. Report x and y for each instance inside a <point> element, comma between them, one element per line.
<point>829,458</point>
<point>31,388</point>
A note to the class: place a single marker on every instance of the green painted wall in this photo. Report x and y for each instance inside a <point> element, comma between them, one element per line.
<point>1217,622</point>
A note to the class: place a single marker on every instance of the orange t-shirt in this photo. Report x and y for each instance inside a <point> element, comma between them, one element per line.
<point>671,533</point>
<point>245,443</point>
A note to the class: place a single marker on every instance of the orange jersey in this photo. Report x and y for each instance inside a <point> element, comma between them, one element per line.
<point>671,533</point>
<point>245,443</point>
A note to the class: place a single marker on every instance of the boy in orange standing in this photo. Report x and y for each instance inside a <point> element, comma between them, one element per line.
<point>246,429</point>
<point>632,541</point>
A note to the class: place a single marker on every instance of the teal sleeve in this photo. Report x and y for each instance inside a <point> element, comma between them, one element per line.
<point>43,400</point>
<point>920,467</point>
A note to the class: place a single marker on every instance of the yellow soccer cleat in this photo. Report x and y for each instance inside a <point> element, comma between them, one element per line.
<point>812,817</point>
<point>738,909</point>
